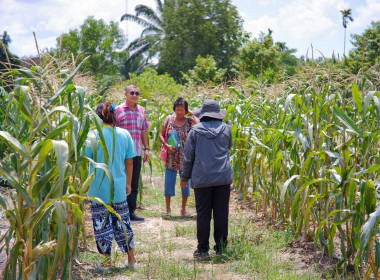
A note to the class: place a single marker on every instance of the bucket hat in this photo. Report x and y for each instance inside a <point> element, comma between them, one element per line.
<point>210,108</point>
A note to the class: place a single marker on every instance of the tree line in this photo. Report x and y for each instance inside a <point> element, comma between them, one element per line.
<point>195,41</point>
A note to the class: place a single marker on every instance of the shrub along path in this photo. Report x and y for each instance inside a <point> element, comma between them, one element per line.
<point>164,246</point>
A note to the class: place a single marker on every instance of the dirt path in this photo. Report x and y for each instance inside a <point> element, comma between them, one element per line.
<point>164,246</point>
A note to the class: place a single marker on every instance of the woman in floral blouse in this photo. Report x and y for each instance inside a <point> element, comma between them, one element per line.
<point>174,162</point>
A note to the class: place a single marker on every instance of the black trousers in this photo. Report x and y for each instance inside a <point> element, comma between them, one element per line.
<point>213,200</point>
<point>132,198</point>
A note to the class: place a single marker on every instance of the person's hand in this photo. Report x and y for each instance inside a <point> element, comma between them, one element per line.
<point>146,155</point>
<point>170,148</point>
<point>190,113</point>
<point>129,189</point>
<point>183,184</point>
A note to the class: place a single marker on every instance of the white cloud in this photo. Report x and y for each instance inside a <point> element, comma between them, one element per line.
<point>49,19</point>
<point>255,27</point>
<point>307,19</point>
<point>367,12</point>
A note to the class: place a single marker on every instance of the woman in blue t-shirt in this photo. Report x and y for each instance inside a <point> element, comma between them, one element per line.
<point>106,225</point>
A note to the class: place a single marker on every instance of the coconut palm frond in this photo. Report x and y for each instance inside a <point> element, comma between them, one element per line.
<point>148,13</point>
<point>137,20</point>
<point>150,42</point>
<point>136,44</point>
<point>151,31</point>
<point>160,5</point>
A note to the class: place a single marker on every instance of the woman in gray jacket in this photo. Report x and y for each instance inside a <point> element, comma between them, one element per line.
<point>207,164</point>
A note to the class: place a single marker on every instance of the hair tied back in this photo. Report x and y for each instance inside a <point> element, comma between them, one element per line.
<point>112,107</point>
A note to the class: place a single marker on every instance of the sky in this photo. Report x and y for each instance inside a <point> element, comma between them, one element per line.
<point>302,24</point>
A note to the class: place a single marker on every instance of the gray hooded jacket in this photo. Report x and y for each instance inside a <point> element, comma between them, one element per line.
<point>206,156</point>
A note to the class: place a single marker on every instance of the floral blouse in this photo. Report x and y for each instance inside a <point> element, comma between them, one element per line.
<point>175,160</point>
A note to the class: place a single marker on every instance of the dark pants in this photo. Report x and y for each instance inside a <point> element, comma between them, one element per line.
<point>213,200</point>
<point>132,198</point>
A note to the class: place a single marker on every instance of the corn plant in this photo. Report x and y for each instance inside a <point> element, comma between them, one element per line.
<point>313,152</point>
<point>46,122</point>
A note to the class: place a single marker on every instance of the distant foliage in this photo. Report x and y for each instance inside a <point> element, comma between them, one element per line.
<point>199,27</point>
<point>151,83</point>
<point>205,71</point>
<point>101,41</point>
<point>7,59</point>
<point>366,50</point>
<point>263,58</point>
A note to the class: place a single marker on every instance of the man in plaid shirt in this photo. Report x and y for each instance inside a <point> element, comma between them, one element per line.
<point>131,117</point>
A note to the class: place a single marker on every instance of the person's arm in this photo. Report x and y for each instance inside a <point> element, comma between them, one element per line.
<point>129,171</point>
<point>144,135</point>
<point>195,119</point>
<point>144,139</point>
<point>161,136</point>
<point>188,159</point>
<point>230,140</point>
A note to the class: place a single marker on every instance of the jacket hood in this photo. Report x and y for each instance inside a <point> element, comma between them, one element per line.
<point>210,129</point>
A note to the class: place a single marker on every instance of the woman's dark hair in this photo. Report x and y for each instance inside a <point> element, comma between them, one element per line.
<point>181,102</point>
<point>106,111</point>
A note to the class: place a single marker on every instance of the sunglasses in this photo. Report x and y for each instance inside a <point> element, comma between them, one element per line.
<point>134,92</point>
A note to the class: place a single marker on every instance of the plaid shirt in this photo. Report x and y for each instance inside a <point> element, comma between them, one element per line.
<point>134,121</point>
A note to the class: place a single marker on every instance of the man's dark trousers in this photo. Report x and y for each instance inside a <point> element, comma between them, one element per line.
<point>132,198</point>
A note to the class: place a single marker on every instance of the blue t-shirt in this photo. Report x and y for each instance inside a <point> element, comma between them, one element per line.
<point>125,149</point>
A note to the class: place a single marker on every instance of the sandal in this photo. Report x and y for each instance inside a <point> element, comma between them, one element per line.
<point>131,266</point>
<point>167,215</point>
<point>186,214</point>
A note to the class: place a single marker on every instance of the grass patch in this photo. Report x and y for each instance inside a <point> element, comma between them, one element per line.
<point>164,246</point>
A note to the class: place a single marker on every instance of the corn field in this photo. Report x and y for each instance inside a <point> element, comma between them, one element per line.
<point>46,121</point>
<point>311,152</point>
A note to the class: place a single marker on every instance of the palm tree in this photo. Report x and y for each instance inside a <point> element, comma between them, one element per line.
<point>148,45</point>
<point>346,15</point>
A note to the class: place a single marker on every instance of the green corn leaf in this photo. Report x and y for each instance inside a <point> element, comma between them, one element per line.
<point>52,135</point>
<point>308,209</point>
<point>3,203</point>
<point>58,109</point>
<point>296,203</point>
<point>367,101</point>
<point>60,210</point>
<point>99,126</point>
<point>62,152</point>
<point>377,253</point>
<point>44,179</point>
<point>373,168</point>
<point>13,143</point>
<point>288,101</point>
<point>83,135</point>
<point>47,146</point>
<point>11,177</point>
<point>377,103</point>
<point>66,82</point>
<point>369,230</point>
<point>108,172</point>
<point>14,255</point>
<point>42,214</point>
<point>357,97</point>
<point>346,121</point>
